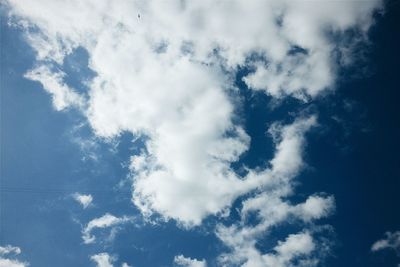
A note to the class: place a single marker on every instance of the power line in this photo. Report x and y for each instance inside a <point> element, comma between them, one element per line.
<point>58,190</point>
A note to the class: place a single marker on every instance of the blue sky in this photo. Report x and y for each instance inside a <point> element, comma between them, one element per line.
<point>233,134</point>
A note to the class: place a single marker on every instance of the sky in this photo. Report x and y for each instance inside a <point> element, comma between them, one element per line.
<point>199,133</point>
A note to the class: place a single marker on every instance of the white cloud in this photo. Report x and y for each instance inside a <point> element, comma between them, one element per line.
<point>168,76</point>
<point>146,68</point>
<point>9,251</point>
<point>52,81</point>
<point>271,29</point>
<point>296,248</point>
<point>315,207</point>
<point>189,262</point>
<point>84,200</point>
<point>157,189</point>
<point>105,221</point>
<point>296,245</point>
<point>272,211</point>
<point>103,260</point>
<point>271,206</point>
<point>11,263</point>
<point>391,241</point>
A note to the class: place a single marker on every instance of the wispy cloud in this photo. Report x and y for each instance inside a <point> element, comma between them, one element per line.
<point>391,241</point>
<point>105,221</point>
<point>84,200</point>
<point>63,96</point>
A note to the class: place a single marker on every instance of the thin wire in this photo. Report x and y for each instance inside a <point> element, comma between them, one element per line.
<point>56,191</point>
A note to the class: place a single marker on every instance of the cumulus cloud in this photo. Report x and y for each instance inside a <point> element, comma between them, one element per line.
<point>10,251</point>
<point>209,190</point>
<point>105,221</point>
<point>295,246</point>
<point>183,261</point>
<point>296,250</point>
<point>168,77</point>
<point>84,200</point>
<point>390,241</point>
<point>272,207</point>
<point>146,67</point>
<point>103,260</point>
<point>292,36</point>
<point>272,211</point>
